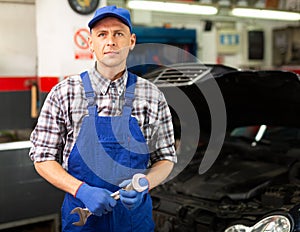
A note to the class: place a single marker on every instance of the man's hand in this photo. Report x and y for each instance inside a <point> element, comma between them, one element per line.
<point>97,200</point>
<point>132,199</point>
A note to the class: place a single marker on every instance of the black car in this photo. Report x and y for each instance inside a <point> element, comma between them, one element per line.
<point>251,182</point>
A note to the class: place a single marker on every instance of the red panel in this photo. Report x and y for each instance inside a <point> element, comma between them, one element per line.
<point>16,83</point>
<point>46,83</point>
<point>12,84</point>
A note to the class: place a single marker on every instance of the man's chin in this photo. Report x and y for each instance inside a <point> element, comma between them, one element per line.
<point>112,63</point>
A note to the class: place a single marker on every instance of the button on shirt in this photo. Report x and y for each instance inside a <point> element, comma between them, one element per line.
<point>114,95</point>
<point>66,105</point>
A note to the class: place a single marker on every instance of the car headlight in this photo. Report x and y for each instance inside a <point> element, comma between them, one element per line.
<point>274,223</point>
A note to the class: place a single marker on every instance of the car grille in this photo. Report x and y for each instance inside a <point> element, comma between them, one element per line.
<point>176,75</point>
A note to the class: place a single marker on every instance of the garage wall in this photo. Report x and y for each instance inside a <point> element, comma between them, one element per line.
<point>207,40</point>
<point>18,39</point>
<point>57,24</point>
<point>47,46</point>
<point>18,63</point>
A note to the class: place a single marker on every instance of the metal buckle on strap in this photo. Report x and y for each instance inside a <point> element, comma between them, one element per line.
<point>90,98</point>
<point>128,102</point>
<point>91,101</point>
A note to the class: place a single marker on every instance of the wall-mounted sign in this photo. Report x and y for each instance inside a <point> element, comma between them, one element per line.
<point>81,44</point>
<point>228,41</point>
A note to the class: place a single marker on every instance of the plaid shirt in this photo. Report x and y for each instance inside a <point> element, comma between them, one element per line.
<point>65,106</point>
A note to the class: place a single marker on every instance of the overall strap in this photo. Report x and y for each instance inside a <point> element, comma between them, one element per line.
<point>89,92</point>
<point>129,94</point>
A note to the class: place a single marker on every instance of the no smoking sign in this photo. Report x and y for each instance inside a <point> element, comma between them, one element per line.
<point>81,44</point>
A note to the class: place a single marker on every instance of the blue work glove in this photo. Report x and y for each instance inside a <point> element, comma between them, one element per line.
<point>97,200</point>
<point>132,199</point>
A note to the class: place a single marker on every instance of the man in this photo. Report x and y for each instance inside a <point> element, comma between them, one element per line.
<point>100,125</point>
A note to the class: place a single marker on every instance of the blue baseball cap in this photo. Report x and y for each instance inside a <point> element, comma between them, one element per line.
<point>111,11</point>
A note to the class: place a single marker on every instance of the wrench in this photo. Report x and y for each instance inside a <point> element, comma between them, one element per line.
<point>84,213</point>
<point>133,185</point>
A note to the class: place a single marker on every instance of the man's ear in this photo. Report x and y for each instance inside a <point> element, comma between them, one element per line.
<point>132,41</point>
<point>90,42</point>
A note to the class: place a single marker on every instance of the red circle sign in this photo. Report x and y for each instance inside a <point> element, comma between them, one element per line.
<point>81,38</point>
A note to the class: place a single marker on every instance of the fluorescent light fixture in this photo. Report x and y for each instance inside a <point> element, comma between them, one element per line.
<point>173,7</point>
<point>266,14</point>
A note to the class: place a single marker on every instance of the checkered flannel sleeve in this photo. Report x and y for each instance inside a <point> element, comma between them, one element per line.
<point>47,137</point>
<point>164,138</point>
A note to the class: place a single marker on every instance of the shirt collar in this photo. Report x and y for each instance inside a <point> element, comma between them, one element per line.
<point>103,84</point>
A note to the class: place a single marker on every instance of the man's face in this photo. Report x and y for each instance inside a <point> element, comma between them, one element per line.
<point>111,41</point>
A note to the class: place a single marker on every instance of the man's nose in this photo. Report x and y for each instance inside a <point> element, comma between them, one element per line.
<point>111,40</point>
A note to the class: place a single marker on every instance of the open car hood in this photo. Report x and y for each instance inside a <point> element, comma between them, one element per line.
<point>251,97</point>
<point>261,97</point>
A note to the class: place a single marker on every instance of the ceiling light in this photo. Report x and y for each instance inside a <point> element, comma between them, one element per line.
<point>184,8</point>
<point>266,14</point>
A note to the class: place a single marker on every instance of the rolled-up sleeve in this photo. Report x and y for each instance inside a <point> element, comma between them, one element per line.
<point>47,137</point>
<point>164,145</point>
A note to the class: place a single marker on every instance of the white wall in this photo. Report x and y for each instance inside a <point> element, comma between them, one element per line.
<point>18,50</point>
<point>36,38</point>
<point>56,26</point>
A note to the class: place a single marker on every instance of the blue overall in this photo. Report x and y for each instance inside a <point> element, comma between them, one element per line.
<point>107,151</point>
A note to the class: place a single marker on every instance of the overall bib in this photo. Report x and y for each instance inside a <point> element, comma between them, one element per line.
<point>107,151</point>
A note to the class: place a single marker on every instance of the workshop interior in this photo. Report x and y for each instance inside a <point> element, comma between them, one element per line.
<point>241,176</point>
